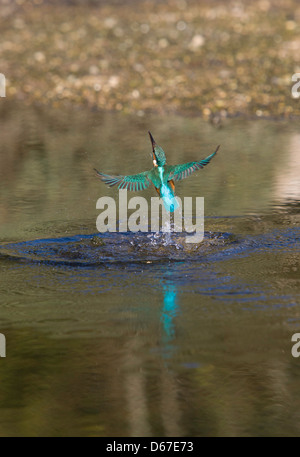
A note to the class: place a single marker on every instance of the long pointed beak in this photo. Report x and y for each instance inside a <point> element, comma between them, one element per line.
<point>152,140</point>
<point>153,145</point>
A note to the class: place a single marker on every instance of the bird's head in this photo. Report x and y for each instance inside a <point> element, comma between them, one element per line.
<point>159,157</point>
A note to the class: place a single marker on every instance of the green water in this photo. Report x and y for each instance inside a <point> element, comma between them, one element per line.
<point>125,334</point>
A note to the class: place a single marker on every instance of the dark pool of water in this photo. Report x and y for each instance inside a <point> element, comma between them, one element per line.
<point>144,334</point>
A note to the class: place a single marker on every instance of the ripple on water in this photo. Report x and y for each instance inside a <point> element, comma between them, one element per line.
<point>102,249</point>
<point>118,248</point>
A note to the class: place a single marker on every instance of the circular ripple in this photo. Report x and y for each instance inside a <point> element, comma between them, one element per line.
<point>102,249</point>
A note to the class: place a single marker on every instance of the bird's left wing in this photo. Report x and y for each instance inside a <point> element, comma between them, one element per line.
<point>178,172</point>
<point>139,181</point>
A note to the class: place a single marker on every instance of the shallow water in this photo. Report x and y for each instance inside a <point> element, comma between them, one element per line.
<point>143,334</point>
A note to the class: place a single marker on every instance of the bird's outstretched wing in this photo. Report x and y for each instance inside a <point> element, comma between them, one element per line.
<point>130,182</point>
<point>178,172</point>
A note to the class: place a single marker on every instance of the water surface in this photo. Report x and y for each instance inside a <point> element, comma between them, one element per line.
<point>124,334</point>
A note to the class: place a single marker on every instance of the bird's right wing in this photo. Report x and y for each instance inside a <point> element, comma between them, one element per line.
<point>136,182</point>
<point>178,172</point>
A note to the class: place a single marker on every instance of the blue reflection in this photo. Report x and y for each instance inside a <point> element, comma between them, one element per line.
<point>170,310</point>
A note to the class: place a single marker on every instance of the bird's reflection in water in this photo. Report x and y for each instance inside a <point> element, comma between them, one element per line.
<point>170,310</point>
<point>169,389</point>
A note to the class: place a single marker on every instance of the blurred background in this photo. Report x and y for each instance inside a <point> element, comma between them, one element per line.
<point>210,58</point>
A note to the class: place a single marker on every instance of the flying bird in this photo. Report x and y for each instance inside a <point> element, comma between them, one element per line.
<point>162,176</point>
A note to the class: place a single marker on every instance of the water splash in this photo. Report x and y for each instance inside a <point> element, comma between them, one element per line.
<point>96,250</point>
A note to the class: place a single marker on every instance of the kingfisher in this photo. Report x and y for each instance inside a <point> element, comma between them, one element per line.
<point>162,176</point>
